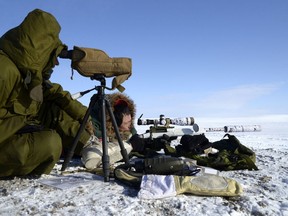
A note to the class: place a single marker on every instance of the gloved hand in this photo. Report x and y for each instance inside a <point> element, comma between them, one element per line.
<point>195,144</point>
<point>157,143</point>
<point>138,143</point>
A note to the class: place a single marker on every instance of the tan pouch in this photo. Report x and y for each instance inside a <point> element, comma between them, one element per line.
<point>163,186</point>
<point>207,185</point>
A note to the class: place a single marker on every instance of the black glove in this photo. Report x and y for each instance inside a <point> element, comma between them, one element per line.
<point>138,143</point>
<point>157,143</point>
<point>195,144</point>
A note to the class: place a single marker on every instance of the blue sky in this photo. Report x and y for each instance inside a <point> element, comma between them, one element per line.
<point>210,58</point>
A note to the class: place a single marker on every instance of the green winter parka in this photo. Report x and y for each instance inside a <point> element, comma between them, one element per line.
<point>37,118</point>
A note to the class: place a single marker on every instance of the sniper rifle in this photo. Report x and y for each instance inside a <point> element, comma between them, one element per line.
<point>162,127</point>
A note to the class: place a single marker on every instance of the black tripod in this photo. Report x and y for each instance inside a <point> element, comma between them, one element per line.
<point>104,103</point>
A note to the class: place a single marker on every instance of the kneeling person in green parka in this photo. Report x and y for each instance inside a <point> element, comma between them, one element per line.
<point>38,120</point>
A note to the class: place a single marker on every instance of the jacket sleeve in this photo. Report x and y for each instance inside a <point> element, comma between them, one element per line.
<point>64,100</point>
<point>10,122</point>
<point>10,126</point>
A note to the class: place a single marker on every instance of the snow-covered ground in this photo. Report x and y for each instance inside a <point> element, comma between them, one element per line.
<point>265,190</point>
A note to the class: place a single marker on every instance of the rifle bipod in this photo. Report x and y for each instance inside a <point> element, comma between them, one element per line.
<point>104,104</point>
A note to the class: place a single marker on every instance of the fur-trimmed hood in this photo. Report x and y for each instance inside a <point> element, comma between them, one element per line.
<point>117,98</point>
<point>114,99</point>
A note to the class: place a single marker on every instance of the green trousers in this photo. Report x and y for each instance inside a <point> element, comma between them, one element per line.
<point>37,152</point>
<point>30,153</point>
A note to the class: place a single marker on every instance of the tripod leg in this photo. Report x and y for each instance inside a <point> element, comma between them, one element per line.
<point>123,150</point>
<point>105,156</point>
<point>70,153</point>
